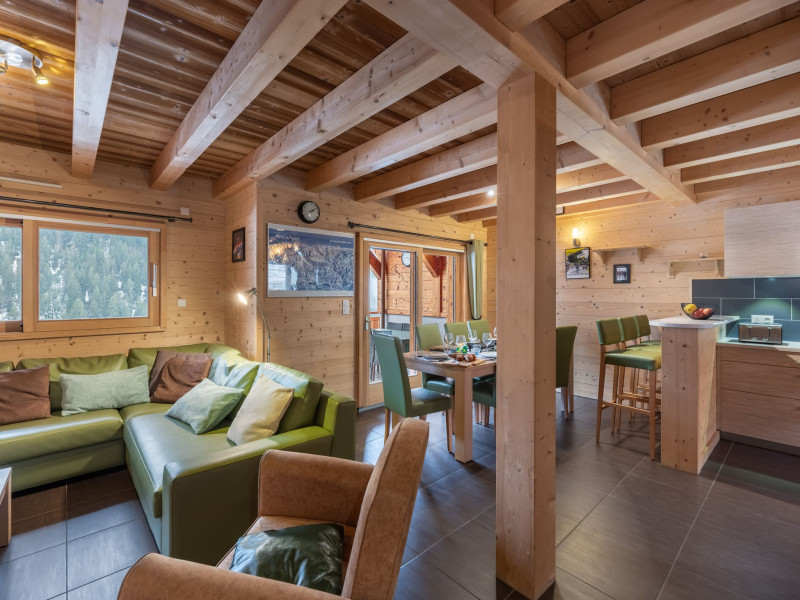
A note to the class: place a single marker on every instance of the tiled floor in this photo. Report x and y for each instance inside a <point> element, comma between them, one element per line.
<point>626,527</point>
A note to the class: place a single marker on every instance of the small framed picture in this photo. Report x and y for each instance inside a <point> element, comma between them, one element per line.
<point>622,273</point>
<point>237,245</point>
<point>578,263</point>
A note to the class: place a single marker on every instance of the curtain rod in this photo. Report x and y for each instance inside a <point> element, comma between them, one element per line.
<point>352,225</point>
<point>129,213</point>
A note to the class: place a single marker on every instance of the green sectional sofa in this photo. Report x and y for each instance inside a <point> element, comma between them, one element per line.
<point>197,491</point>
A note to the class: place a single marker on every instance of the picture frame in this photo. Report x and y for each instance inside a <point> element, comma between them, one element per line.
<point>578,263</point>
<point>306,262</point>
<point>622,273</point>
<point>238,245</point>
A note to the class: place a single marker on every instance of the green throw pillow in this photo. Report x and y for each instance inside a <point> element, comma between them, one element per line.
<point>307,555</point>
<point>205,405</point>
<point>115,389</point>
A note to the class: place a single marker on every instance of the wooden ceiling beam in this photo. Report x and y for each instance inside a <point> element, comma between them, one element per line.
<point>468,157</point>
<point>651,29</point>
<point>600,192</point>
<point>516,14</point>
<point>757,58</point>
<point>756,181</point>
<point>468,184</point>
<point>609,203</point>
<point>98,30</point>
<point>464,114</point>
<point>469,32</point>
<point>764,103</point>
<point>489,223</point>
<point>478,215</point>
<point>770,136</point>
<point>404,67</point>
<point>743,165</point>
<point>274,35</point>
<point>586,178</point>
<point>462,205</point>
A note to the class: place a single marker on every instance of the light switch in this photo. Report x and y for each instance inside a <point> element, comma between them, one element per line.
<point>181,302</point>
<point>345,307</point>
<point>184,211</point>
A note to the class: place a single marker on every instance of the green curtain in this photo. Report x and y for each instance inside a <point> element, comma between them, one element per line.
<point>475,251</point>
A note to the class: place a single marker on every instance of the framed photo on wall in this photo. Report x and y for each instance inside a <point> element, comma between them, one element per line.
<point>622,273</point>
<point>237,245</point>
<point>578,263</point>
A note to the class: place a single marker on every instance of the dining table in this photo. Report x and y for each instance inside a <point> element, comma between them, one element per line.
<point>463,374</point>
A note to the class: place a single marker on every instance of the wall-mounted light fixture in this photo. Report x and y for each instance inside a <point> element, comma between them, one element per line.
<point>244,298</point>
<point>576,237</point>
<point>17,54</point>
<point>491,193</point>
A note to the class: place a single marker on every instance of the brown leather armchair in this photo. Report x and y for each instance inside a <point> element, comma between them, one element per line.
<point>373,504</point>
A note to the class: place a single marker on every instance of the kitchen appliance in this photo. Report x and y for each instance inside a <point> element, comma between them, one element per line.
<point>761,333</point>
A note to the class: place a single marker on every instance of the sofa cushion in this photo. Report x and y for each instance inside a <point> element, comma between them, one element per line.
<point>116,389</point>
<point>20,441</point>
<point>217,350</point>
<point>307,389</point>
<point>261,412</point>
<point>129,412</point>
<point>164,356</point>
<point>205,405</point>
<point>24,395</point>
<point>178,377</point>
<point>82,365</point>
<point>5,367</point>
<point>154,440</point>
<point>147,356</point>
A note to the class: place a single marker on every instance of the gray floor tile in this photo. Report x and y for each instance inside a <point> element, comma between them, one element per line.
<point>37,576</point>
<point>574,500</point>
<point>679,505</point>
<point>420,579</point>
<point>90,517</point>
<point>682,584</point>
<point>35,534</point>
<point>106,588</point>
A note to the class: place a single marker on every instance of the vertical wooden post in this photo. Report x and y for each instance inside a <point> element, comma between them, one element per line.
<point>526,307</point>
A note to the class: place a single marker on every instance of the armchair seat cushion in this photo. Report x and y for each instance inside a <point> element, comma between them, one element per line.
<point>154,440</point>
<point>41,437</point>
<point>440,384</point>
<point>268,523</point>
<point>424,402</point>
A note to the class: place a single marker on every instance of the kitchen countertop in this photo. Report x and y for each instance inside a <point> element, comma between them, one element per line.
<point>730,341</point>
<point>689,323</point>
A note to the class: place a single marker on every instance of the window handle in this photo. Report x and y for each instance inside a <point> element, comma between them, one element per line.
<point>154,284</point>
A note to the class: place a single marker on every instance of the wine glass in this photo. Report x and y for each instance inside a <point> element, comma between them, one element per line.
<point>461,341</point>
<point>486,338</point>
<point>449,338</point>
<point>473,339</point>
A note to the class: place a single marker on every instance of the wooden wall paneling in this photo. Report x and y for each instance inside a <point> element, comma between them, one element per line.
<point>776,224</point>
<point>526,325</point>
<point>193,250</point>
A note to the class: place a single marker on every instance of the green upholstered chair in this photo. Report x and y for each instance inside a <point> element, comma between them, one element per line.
<point>484,393</point>
<point>611,332</point>
<point>429,336</point>
<point>398,396</point>
<point>479,327</point>
<point>565,342</point>
<point>458,328</point>
<point>643,327</point>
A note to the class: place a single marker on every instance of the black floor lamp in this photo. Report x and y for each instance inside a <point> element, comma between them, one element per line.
<point>244,298</point>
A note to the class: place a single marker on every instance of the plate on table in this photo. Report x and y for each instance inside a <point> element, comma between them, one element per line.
<point>489,354</point>
<point>435,357</point>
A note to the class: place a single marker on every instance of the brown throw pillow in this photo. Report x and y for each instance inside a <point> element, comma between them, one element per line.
<point>163,356</point>
<point>25,395</point>
<point>178,376</point>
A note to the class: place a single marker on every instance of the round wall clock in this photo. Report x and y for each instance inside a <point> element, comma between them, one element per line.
<point>406,259</point>
<point>308,211</point>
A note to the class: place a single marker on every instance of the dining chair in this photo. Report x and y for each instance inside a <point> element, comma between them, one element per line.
<point>479,327</point>
<point>565,342</point>
<point>457,328</point>
<point>429,336</point>
<point>484,393</point>
<point>646,358</point>
<point>398,396</point>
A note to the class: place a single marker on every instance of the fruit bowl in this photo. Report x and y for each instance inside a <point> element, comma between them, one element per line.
<point>698,312</point>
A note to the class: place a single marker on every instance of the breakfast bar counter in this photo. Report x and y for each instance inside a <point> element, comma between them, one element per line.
<point>689,429</point>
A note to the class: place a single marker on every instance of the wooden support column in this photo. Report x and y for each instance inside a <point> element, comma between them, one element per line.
<point>526,309</point>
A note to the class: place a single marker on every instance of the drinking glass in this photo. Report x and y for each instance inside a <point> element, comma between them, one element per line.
<point>449,338</point>
<point>461,340</point>
<point>473,339</point>
<point>486,337</point>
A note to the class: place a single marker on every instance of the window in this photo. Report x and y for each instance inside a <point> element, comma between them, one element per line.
<point>78,278</point>
<point>10,275</point>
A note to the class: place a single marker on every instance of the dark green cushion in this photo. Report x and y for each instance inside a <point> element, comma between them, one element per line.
<point>85,365</point>
<point>641,357</point>
<point>23,441</point>
<point>5,367</point>
<point>307,389</point>
<point>483,392</point>
<point>147,356</point>
<point>307,555</point>
<point>438,383</point>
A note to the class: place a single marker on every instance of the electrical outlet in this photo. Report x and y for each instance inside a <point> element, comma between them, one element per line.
<point>345,307</point>
<point>181,302</point>
<point>184,211</point>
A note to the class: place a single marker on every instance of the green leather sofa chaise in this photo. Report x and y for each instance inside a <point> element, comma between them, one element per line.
<point>198,492</point>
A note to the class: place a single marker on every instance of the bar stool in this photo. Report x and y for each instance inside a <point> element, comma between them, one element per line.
<point>646,358</point>
<point>643,327</point>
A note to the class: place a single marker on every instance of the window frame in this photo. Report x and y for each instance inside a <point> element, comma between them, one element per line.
<point>15,326</point>
<point>32,327</point>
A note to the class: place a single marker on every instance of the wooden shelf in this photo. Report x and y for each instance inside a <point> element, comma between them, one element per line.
<point>718,263</point>
<point>604,252</point>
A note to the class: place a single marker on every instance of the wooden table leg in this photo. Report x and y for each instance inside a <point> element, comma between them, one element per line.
<point>463,416</point>
<point>5,507</point>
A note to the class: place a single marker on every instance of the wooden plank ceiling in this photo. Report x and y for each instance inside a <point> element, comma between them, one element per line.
<point>676,93</point>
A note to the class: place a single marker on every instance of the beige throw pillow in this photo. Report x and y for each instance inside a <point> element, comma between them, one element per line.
<point>261,411</point>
